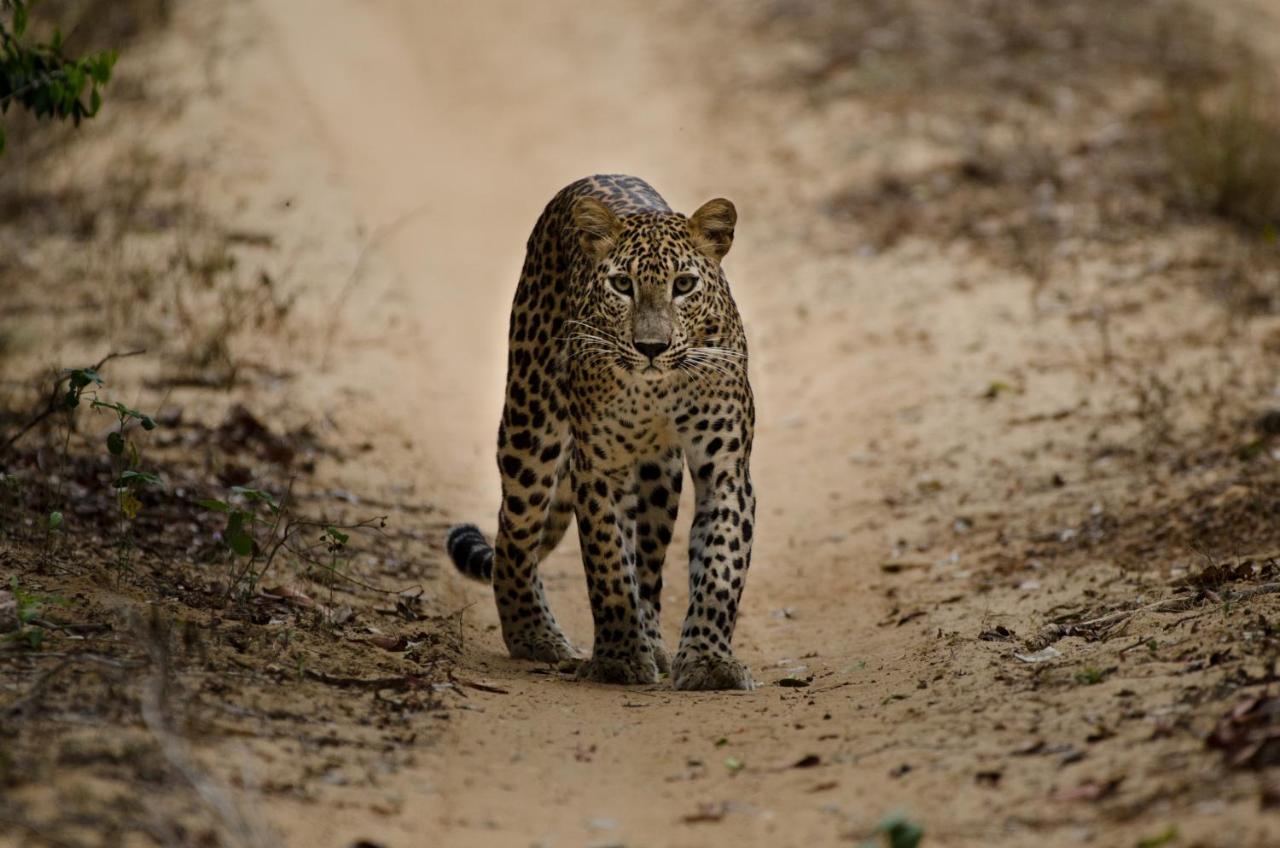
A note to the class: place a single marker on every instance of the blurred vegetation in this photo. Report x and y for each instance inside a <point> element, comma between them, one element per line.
<point>1224,148</point>
<point>59,40</point>
<point>40,76</point>
<point>1056,131</point>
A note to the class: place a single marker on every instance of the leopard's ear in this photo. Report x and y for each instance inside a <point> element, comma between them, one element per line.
<point>712,227</point>
<point>597,226</point>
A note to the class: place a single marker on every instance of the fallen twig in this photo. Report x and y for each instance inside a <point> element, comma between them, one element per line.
<point>1145,640</point>
<point>474,684</point>
<point>1186,618</point>
<point>1105,625</point>
<point>406,681</point>
<point>1251,592</point>
<point>99,627</point>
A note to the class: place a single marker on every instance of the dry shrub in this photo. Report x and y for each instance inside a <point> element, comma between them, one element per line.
<point>1025,52</point>
<point>1224,148</point>
<point>102,24</point>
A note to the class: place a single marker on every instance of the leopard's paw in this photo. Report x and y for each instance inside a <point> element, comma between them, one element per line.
<point>660,656</point>
<point>629,670</point>
<point>548,646</point>
<point>710,671</point>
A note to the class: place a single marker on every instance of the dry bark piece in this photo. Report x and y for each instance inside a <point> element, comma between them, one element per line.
<point>1045,655</point>
<point>477,685</point>
<point>988,778</point>
<point>999,633</point>
<point>707,812</point>
<point>291,594</point>
<point>388,643</point>
<point>1090,790</point>
<point>1249,735</point>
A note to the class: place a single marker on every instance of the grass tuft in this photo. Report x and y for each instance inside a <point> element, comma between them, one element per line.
<point>1224,149</point>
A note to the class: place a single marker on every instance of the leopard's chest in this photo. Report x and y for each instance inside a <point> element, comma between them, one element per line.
<point>620,419</point>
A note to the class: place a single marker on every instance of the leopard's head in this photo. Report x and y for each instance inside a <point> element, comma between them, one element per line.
<point>656,299</point>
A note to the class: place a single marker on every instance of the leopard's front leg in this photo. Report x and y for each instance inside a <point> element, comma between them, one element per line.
<point>719,556</point>
<point>606,526</point>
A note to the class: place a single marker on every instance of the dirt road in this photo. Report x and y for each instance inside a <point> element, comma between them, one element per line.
<point>910,401</point>
<point>450,125</point>
<point>468,117</point>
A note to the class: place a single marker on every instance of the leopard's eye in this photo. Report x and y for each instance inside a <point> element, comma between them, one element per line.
<point>622,284</point>
<point>684,284</point>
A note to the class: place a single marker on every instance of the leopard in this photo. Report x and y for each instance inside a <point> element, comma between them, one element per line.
<point>627,363</point>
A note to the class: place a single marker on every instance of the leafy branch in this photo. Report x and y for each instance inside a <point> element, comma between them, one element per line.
<point>76,381</point>
<point>39,75</point>
<point>259,527</point>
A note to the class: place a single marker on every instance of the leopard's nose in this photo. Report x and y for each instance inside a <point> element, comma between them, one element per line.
<point>652,349</point>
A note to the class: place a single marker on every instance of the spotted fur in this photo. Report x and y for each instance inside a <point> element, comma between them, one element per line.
<point>627,362</point>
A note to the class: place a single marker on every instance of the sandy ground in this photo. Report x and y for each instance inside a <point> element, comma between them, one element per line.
<point>553,761</point>
<point>421,140</point>
<point>467,117</point>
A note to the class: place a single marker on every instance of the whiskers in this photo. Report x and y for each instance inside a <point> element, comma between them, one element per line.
<point>702,363</point>
<point>592,343</point>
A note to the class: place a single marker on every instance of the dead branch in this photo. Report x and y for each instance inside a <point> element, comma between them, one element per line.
<point>477,685</point>
<point>1102,626</point>
<point>407,681</point>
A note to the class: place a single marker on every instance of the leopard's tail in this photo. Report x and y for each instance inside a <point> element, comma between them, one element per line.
<point>470,552</point>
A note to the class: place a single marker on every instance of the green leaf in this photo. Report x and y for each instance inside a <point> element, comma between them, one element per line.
<point>1252,450</point>
<point>215,505</point>
<point>1090,676</point>
<point>1166,836</point>
<point>241,543</point>
<point>126,412</point>
<point>81,377</point>
<point>130,479</point>
<point>996,388</point>
<point>115,443</point>
<point>42,79</point>
<point>899,832</point>
<point>55,520</point>
<point>336,535</point>
<point>236,537</point>
<point>257,496</point>
<point>253,494</point>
